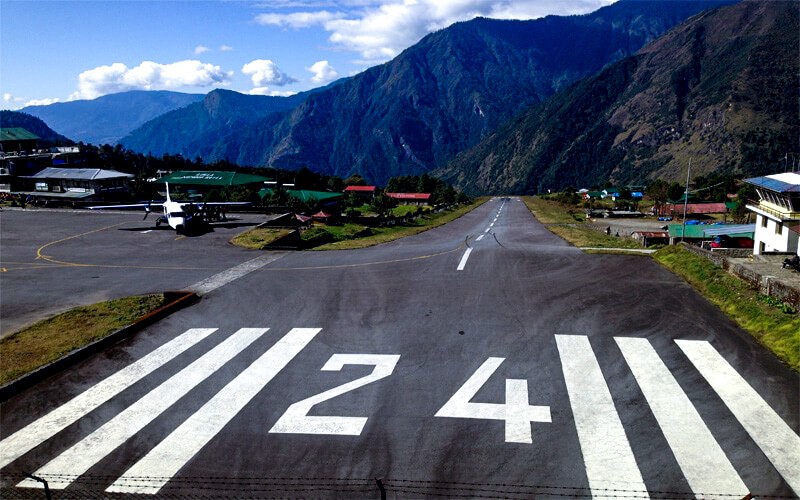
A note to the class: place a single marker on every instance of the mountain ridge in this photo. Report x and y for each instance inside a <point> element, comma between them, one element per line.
<point>718,89</point>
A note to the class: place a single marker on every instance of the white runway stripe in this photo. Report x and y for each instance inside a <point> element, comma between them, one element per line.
<point>234,273</point>
<point>704,464</point>
<point>35,433</point>
<point>464,258</point>
<point>775,438</point>
<point>607,455</point>
<point>91,449</point>
<point>167,458</point>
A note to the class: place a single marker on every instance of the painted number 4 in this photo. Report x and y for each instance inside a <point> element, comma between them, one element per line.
<point>516,412</point>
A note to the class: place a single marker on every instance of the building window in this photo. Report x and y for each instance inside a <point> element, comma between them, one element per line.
<point>779,228</point>
<point>763,221</point>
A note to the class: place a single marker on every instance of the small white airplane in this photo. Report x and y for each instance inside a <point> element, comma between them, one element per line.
<point>182,216</point>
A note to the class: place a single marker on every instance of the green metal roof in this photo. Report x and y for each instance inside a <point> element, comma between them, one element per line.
<point>305,194</point>
<point>17,134</point>
<point>210,178</point>
<point>708,231</point>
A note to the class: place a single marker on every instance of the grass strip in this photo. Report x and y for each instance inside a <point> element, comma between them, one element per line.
<point>568,224</point>
<point>259,238</point>
<point>386,234</point>
<point>763,319</point>
<point>50,339</point>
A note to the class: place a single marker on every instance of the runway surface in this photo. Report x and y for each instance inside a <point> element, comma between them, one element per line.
<point>483,359</point>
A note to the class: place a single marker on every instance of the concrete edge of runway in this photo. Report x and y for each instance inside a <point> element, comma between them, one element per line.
<point>175,300</point>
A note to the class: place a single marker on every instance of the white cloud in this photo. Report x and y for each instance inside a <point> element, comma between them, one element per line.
<point>149,75</point>
<point>41,102</point>
<point>200,49</point>
<point>380,29</point>
<point>225,48</point>
<point>298,19</point>
<point>264,72</point>
<point>323,72</point>
<point>268,92</point>
<point>7,97</point>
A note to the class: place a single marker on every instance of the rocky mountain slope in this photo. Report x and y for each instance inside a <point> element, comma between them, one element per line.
<point>436,99</point>
<point>720,90</point>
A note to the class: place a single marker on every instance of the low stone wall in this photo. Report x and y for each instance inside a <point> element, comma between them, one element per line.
<point>767,285</point>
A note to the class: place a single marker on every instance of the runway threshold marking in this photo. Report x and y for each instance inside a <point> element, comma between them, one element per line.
<point>701,459</point>
<point>607,454</point>
<point>79,458</point>
<point>167,458</point>
<point>37,432</point>
<point>774,436</point>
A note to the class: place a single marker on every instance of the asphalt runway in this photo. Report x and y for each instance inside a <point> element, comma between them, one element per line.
<point>54,260</point>
<point>483,359</point>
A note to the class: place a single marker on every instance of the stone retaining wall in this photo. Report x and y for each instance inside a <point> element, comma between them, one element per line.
<point>767,285</point>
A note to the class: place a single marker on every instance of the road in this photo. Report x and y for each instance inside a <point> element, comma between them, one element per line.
<point>486,358</point>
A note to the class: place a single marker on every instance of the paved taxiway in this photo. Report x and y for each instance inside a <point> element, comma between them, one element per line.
<point>486,358</point>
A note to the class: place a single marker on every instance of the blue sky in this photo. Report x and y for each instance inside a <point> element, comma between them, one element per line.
<point>56,51</point>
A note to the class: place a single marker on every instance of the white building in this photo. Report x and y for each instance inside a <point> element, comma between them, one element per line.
<point>777,213</point>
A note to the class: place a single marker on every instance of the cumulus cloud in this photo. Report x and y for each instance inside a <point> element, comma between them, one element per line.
<point>149,75</point>
<point>41,102</point>
<point>298,19</point>
<point>323,72</point>
<point>380,29</point>
<point>268,92</point>
<point>264,72</point>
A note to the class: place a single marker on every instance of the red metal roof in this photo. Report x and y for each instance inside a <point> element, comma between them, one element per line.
<point>696,208</point>
<point>360,188</point>
<point>409,196</point>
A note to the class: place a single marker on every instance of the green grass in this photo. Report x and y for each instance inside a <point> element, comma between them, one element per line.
<point>385,234</point>
<point>259,238</point>
<point>569,224</point>
<point>50,339</point>
<point>764,319</point>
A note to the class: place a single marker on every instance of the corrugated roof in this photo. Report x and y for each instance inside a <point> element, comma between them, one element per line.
<point>409,196</point>
<point>211,178</point>
<point>697,208</point>
<point>362,189</point>
<point>17,134</point>
<point>711,230</point>
<point>305,194</point>
<point>78,173</point>
<point>788,182</point>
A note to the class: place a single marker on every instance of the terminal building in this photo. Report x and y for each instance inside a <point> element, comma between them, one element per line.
<point>777,213</point>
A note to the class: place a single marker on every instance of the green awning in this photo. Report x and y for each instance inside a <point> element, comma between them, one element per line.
<point>306,195</point>
<point>211,178</point>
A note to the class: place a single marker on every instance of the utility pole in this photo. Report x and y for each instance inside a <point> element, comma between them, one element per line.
<point>686,200</point>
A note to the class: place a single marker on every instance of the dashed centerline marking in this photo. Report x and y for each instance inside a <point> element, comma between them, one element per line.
<point>464,259</point>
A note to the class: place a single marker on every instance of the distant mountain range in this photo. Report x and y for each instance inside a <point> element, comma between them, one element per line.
<point>524,106</point>
<point>107,119</point>
<point>720,90</point>
<point>436,99</point>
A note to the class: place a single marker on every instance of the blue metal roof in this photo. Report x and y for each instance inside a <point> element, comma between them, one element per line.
<point>779,183</point>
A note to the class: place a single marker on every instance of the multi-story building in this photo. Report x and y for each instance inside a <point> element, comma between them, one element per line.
<point>777,213</point>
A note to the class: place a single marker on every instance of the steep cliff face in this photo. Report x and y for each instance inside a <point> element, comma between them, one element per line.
<point>720,89</point>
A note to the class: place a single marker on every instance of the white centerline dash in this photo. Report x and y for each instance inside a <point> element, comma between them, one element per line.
<point>464,260</point>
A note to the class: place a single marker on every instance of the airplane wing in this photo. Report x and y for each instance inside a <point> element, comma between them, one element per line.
<point>135,205</point>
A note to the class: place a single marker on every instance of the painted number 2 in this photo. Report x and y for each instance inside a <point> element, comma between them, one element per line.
<point>516,412</point>
<point>295,420</point>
